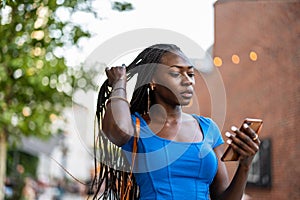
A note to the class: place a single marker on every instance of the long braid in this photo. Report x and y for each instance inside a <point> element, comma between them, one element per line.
<point>144,65</point>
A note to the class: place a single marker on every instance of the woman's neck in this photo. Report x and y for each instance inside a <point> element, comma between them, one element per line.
<point>165,114</point>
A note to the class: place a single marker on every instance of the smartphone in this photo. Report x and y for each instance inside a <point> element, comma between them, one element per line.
<point>229,154</point>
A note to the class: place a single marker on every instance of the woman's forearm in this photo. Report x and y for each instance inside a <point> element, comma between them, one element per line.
<point>117,124</point>
<point>237,186</point>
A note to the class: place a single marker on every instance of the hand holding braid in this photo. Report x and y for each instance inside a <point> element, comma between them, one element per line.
<point>115,74</point>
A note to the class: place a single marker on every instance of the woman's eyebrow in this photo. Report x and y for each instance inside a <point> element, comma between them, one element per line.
<point>177,66</point>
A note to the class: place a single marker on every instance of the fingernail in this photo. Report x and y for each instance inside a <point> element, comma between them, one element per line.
<point>227,134</point>
<point>229,141</point>
<point>245,125</point>
<point>233,128</point>
<point>123,65</point>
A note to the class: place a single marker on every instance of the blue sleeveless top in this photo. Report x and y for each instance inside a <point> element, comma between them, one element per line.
<point>166,169</point>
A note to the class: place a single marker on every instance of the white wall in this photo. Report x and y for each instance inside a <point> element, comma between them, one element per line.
<point>78,140</point>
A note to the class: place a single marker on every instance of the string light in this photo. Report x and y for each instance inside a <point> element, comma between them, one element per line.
<point>218,61</point>
<point>253,56</point>
<point>235,59</point>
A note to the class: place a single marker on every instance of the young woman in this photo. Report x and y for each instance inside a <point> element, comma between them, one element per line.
<point>178,153</point>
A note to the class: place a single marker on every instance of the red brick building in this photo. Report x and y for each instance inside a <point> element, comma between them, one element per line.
<point>257,49</point>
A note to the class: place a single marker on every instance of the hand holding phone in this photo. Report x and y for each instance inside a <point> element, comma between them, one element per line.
<point>255,125</point>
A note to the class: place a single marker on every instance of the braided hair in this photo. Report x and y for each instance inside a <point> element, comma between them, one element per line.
<point>109,174</point>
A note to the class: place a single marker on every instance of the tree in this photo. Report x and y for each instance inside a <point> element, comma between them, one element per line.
<point>35,82</point>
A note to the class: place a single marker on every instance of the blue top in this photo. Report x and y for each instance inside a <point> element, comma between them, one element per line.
<point>166,169</point>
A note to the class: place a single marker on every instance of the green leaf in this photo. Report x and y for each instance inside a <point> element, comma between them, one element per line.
<point>122,6</point>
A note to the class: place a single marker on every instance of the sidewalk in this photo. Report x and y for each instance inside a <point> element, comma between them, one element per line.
<point>52,194</point>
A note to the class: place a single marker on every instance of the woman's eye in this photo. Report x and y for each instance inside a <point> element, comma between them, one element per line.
<point>191,74</point>
<point>174,74</point>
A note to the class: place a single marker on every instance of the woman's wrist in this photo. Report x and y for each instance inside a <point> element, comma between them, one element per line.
<point>119,83</point>
<point>119,88</point>
<point>245,165</point>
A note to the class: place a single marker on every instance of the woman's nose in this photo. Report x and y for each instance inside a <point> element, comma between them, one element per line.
<point>187,80</point>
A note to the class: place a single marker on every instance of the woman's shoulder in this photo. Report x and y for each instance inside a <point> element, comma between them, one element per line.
<point>210,130</point>
<point>206,122</point>
<point>203,119</point>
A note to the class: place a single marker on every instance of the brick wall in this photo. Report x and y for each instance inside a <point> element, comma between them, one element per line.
<point>267,88</point>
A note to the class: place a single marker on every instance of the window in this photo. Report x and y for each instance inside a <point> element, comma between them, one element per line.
<point>260,172</point>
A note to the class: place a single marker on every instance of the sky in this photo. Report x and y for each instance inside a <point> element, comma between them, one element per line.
<point>192,18</point>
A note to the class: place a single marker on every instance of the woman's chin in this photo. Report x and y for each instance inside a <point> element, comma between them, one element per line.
<point>186,102</point>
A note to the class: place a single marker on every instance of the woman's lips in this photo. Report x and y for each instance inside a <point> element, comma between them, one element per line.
<point>187,94</point>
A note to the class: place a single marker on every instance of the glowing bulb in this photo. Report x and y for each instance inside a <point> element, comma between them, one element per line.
<point>235,59</point>
<point>253,56</point>
<point>218,61</point>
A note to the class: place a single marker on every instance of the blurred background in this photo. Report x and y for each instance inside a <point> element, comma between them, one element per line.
<point>47,94</point>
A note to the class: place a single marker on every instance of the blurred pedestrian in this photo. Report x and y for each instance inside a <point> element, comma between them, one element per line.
<point>28,191</point>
